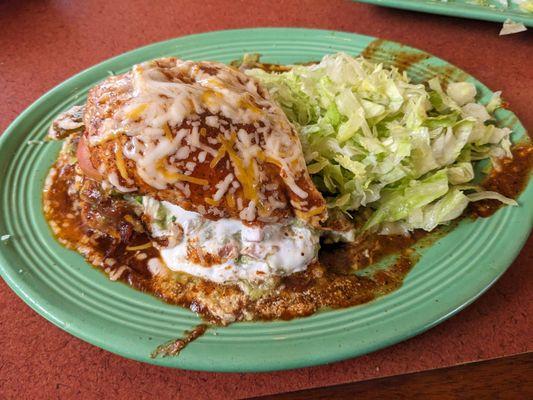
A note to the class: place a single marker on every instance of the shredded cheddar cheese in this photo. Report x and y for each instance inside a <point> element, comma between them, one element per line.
<point>211,201</point>
<point>220,154</point>
<point>209,97</point>
<point>167,131</point>
<point>139,247</point>
<point>187,178</point>
<point>247,104</point>
<point>312,212</point>
<point>245,176</point>
<point>215,82</point>
<point>121,164</point>
<point>129,219</point>
<point>269,159</point>
<point>135,114</point>
<point>176,176</point>
<point>230,201</point>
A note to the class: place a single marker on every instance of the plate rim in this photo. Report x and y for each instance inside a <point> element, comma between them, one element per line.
<point>457,10</point>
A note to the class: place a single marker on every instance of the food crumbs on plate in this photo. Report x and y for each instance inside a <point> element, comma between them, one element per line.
<point>175,346</point>
<point>33,142</point>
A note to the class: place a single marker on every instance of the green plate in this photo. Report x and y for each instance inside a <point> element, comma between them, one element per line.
<point>489,10</point>
<point>60,286</point>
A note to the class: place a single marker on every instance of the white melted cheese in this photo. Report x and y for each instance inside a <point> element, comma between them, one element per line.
<point>257,253</point>
<point>170,93</point>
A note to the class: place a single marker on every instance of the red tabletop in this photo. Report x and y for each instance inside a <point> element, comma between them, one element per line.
<point>43,43</point>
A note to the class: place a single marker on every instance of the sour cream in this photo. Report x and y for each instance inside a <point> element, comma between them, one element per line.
<point>256,253</point>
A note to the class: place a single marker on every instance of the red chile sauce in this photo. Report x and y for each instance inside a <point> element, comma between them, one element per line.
<point>328,283</point>
<point>510,180</point>
<point>111,237</point>
<point>100,228</point>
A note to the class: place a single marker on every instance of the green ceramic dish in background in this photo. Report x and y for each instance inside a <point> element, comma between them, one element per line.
<point>60,286</point>
<point>489,10</point>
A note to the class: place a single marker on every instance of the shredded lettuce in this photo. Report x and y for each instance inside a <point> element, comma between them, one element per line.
<point>374,139</point>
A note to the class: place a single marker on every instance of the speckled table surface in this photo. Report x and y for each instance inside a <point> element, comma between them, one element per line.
<point>44,42</point>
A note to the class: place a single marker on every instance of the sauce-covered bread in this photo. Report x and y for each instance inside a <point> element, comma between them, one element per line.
<point>200,135</point>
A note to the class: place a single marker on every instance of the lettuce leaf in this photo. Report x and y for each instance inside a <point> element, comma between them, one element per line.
<point>372,138</point>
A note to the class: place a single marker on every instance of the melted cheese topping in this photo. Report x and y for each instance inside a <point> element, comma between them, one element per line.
<point>252,254</point>
<point>162,121</point>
